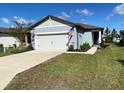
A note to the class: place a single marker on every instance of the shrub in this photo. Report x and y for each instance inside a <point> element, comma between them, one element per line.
<point>85,46</point>
<point>18,50</point>
<point>71,48</point>
<point>10,50</point>
<point>1,48</point>
<point>1,45</point>
<point>104,45</point>
<point>120,43</point>
<point>108,39</point>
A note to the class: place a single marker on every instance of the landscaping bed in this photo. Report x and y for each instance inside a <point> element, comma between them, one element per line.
<point>83,48</point>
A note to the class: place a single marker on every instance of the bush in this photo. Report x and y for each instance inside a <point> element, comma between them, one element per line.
<point>10,50</point>
<point>1,45</point>
<point>18,50</point>
<point>104,45</point>
<point>71,48</point>
<point>85,46</point>
<point>1,48</point>
<point>120,44</point>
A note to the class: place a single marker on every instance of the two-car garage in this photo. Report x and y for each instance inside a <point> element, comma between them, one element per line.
<point>52,41</point>
<point>51,33</point>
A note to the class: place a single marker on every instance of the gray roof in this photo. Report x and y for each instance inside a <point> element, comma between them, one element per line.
<point>83,26</point>
<point>88,27</point>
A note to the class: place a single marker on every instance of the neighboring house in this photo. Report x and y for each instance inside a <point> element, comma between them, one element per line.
<point>52,33</point>
<point>8,40</point>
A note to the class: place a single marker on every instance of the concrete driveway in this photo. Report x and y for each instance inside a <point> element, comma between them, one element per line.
<point>14,64</point>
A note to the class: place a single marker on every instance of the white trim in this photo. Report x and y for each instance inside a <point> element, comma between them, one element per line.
<point>100,39</point>
<point>50,26</point>
<point>61,32</point>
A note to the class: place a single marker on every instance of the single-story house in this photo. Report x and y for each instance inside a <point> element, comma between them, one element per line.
<point>53,33</point>
<point>8,40</point>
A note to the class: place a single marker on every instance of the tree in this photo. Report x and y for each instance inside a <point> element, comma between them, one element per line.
<point>20,29</point>
<point>107,32</point>
<point>122,36</point>
<point>107,35</point>
<point>114,34</point>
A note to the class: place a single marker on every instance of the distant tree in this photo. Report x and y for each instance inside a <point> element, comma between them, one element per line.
<point>114,34</point>
<point>107,32</point>
<point>122,35</point>
<point>107,35</point>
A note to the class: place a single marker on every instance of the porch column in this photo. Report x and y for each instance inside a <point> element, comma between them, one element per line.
<point>26,39</point>
<point>100,37</point>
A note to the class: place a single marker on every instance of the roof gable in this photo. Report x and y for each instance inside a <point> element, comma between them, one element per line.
<point>53,18</point>
<point>50,23</point>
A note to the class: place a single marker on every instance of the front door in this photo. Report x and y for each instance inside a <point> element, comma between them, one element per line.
<point>95,37</point>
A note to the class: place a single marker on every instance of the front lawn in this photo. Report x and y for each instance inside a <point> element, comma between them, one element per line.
<point>103,70</point>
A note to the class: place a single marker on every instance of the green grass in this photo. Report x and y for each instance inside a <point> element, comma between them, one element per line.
<point>14,51</point>
<point>103,70</point>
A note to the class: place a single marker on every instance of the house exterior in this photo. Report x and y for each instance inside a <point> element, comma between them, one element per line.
<point>52,33</point>
<point>8,40</point>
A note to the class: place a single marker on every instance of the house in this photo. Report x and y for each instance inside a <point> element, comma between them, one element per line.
<point>8,40</point>
<point>52,33</point>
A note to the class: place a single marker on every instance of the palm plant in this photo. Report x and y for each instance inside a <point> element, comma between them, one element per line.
<point>20,30</point>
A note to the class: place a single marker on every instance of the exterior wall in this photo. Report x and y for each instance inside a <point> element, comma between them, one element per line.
<point>84,36</point>
<point>8,40</point>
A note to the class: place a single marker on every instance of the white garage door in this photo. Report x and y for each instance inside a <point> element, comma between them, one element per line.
<point>52,42</point>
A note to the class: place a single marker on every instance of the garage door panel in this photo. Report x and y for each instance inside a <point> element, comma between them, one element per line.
<point>53,42</point>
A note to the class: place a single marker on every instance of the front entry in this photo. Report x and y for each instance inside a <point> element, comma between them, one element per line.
<point>95,37</point>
